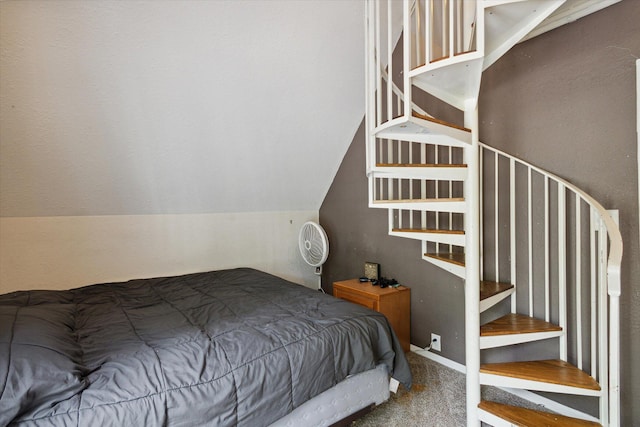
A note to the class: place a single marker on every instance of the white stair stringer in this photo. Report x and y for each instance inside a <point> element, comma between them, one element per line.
<point>452,268</point>
<point>511,339</point>
<point>409,134</point>
<point>456,205</point>
<point>453,80</point>
<point>579,419</point>
<point>487,303</point>
<point>447,266</point>
<point>504,381</point>
<point>425,131</point>
<point>506,23</point>
<point>456,239</point>
<point>448,173</point>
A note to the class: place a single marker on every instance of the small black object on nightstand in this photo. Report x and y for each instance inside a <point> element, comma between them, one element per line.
<point>384,282</point>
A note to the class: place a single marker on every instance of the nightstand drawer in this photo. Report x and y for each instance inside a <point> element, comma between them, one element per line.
<point>355,298</point>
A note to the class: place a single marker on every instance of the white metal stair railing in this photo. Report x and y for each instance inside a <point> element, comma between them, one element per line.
<point>564,250</point>
<point>428,175</point>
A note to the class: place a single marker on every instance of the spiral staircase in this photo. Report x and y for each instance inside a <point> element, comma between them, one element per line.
<point>523,240</point>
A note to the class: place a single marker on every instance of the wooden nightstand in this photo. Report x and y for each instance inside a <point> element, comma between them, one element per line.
<point>394,303</point>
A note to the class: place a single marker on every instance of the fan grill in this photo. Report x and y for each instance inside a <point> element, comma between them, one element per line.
<point>313,244</point>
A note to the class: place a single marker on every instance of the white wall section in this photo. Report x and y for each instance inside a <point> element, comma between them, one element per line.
<point>67,252</point>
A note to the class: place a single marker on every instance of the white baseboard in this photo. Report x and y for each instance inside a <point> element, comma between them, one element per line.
<point>437,358</point>
<point>549,404</point>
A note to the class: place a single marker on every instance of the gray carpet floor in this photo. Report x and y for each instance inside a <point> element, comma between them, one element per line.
<point>437,398</point>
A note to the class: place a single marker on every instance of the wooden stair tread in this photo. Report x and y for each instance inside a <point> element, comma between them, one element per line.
<point>523,417</point>
<point>489,289</point>
<point>452,257</point>
<point>547,371</point>
<point>514,323</point>
<point>440,122</point>
<point>426,230</point>
<point>421,165</point>
<point>451,199</point>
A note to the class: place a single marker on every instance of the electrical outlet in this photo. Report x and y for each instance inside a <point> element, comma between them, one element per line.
<point>435,342</point>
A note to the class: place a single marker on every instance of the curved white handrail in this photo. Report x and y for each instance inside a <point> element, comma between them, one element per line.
<point>615,238</point>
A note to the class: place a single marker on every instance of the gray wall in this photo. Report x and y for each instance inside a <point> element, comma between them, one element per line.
<point>564,101</point>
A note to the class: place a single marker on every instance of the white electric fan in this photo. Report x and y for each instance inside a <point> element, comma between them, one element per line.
<point>314,246</point>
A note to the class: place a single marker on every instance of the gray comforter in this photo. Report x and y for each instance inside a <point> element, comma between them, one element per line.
<point>232,347</point>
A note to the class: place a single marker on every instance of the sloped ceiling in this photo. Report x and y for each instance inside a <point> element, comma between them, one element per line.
<point>145,107</point>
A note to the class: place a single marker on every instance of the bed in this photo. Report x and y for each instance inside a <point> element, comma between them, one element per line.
<point>230,347</point>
